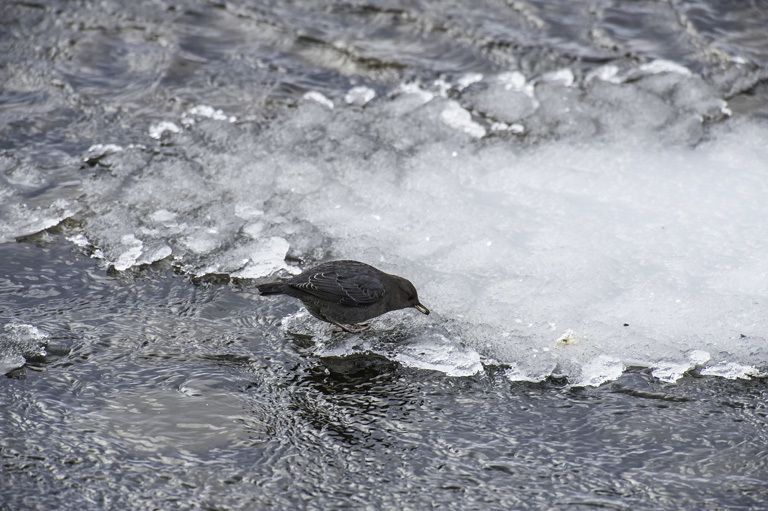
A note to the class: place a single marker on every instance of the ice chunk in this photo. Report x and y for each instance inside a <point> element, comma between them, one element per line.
<point>79,240</point>
<point>267,257</point>
<point>132,249</point>
<point>514,80</point>
<point>507,106</point>
<point>671,371</point>
<point>426,349</point>
<point>359,95</point>
<point>207,112</point>
<point>156,252</point>
<point>435,352</point>
<point>614,74</point>
<point>157,130</point>
<point>99,150</point>
<point>600,370</point>
<point>319,98</point>
<point>606,73</point>
<point>133,252</point>
<point>512,128</point>
<point>468,79</point>
<point>664,66</point>
<point>414,89</point>
<point>455,116</point>
<point>19,342</point>
<point>731,371</point>
<point>562,76</point>
<point>20,220</point>
<point>517,372</point>
<point>163,216</point>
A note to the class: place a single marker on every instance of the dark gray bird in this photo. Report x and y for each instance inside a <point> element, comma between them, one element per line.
<point>347,293</point>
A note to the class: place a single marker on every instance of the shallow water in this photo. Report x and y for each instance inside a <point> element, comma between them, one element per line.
<point>576,193</point>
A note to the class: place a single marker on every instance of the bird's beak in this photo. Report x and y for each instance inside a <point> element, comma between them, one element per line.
<point>419,307</point>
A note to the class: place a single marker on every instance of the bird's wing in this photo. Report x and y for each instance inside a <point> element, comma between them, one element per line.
<point>344,289</point>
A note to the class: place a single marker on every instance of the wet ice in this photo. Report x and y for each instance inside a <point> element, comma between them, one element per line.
<point>18,343</point>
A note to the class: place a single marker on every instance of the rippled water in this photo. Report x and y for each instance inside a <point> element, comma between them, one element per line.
<point>541,170</point>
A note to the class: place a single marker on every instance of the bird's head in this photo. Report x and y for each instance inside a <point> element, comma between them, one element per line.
<point>406,296</point>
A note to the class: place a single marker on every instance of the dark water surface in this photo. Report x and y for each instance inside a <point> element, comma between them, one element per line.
<point>168,383</point>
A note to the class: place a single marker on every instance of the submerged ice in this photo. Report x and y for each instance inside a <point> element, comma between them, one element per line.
<point>620,208</point>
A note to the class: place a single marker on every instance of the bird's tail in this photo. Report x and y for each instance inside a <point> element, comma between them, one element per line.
<point>273,288</point>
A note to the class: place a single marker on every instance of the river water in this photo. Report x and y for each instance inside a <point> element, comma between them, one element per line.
<point>576,190</point>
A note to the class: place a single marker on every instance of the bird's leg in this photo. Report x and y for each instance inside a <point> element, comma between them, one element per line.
<point>361,327</point>
<point>341,326</point>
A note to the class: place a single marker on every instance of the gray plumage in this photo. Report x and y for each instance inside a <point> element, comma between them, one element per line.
<point>347,292</point>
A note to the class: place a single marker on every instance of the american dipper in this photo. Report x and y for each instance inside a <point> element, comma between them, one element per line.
<point>347,292</point>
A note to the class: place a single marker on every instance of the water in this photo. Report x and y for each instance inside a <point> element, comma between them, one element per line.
<point>576,193</point>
